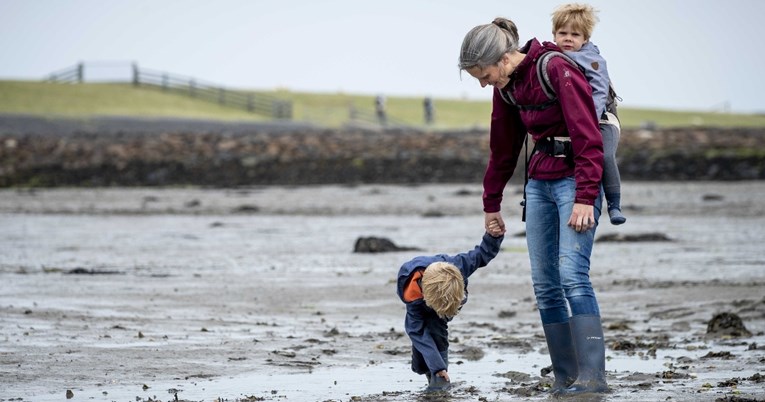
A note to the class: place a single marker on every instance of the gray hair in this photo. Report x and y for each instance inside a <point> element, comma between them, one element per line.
<point>485,44</point>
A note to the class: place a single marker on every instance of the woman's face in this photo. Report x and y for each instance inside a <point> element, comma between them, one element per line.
<point>495,75</point>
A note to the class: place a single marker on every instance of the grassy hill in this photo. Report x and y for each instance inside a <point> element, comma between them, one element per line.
<point>328,109</point>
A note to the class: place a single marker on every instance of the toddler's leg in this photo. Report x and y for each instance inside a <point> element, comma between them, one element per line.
<point>418,363</point>
<point>611,177</point>
<point>439,330</point>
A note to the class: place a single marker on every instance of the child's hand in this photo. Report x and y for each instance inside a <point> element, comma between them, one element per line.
<point>443,374</point>
<point>495,229</point>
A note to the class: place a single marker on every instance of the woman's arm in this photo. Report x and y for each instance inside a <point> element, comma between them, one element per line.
<point>575,98</point>
<point>505,142</point>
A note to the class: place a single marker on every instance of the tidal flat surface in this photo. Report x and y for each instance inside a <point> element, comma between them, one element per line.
<point>251,294</point>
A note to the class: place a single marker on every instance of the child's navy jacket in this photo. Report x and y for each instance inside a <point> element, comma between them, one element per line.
<point>414,323</point>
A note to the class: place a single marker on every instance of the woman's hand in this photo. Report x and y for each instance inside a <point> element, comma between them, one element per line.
<point>582,217</point>
<point>494,224</point>
<point>494,229</point>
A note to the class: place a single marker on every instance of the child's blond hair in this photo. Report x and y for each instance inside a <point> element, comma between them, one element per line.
<point>581,16</point>
<point>443,288</point>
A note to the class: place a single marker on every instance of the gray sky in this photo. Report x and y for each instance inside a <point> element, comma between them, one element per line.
<point>669,54</point>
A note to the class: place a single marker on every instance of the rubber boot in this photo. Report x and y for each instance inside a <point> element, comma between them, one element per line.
<point>587,333</point>
<point>437,383</point>
<point>562,354</point>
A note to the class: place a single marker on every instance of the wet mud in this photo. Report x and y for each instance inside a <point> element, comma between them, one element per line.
<point>150,294</point>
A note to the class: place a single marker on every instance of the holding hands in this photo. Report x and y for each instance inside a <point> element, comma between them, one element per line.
<point>494,224</point>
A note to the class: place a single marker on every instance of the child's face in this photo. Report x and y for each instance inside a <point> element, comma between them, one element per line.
<point>569,39</point>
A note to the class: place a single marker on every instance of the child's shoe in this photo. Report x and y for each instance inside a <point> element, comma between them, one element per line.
<point>438,383</point>
<point>616,216</point>
<point>615,209</point>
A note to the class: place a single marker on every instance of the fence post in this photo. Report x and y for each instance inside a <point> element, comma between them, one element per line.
<point>222,96</point>
<point>250,103</point>
<point>191,87</point>
<point>164,81</point>
<point>276,109</point>
<point>136,79</point>
<point>382,118</point>
<point>428,106</point>
<point>80,72</point>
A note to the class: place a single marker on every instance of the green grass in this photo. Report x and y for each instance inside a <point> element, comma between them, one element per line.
<point>335,109</point>
<point>669,118</point>
<point>326,109</point>
<point>86,100</point>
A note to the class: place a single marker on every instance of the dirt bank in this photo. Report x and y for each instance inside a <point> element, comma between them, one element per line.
<point>131,152</point>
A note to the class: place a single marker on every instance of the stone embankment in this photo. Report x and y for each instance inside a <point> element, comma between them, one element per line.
<point>129,152</point>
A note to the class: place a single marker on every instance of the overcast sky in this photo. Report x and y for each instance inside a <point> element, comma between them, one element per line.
<point>669,54</point>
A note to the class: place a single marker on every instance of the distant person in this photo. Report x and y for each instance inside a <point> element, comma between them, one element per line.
<point>380,110</point>
<point>434,289</point>
<point>427,105</point>
<point>572,29</point>
<point>563,194</point>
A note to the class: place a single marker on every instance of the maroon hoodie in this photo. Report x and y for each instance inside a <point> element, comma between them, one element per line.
<point>572,116</point>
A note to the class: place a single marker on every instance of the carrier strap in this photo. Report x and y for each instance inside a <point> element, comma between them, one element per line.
<point>544,79</point>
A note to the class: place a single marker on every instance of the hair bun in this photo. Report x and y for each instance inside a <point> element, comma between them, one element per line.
<point>507,25</point>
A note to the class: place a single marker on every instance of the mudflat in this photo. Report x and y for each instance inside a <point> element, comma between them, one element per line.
<point>255,294</point>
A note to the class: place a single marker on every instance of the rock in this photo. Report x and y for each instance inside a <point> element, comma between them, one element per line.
<point>727,324</point>
<point>712,197</point>
<point>644,237</point>
<point>516,376</point>
<point>377,245</point>
<point>84,271</point>
<point>246,209</point>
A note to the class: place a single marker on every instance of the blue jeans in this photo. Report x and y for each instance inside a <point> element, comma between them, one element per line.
<point>560,256</point>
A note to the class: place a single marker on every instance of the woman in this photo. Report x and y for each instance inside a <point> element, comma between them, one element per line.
<point>563,193</point>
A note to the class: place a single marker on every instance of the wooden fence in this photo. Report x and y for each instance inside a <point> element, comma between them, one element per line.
<point>69,75</point>
<point>263,104</point>
<point>374,117</point>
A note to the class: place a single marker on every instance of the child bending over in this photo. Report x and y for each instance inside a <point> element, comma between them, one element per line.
<point>434,289</point>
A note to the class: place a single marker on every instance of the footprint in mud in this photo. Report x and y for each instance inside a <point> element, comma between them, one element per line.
<point>675,312</point>
<point>471,353</point>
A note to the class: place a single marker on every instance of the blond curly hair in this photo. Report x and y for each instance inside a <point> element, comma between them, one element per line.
<point>581,17</point>
<point>443,288</point>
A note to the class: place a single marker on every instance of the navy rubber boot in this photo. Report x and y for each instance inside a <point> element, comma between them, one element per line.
<point>587,334</point>
<point>437,383</point>
<point>562,355</point>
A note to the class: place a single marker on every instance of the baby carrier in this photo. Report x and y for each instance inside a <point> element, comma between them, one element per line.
<point>544,79</point>
<point>560,146</point>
